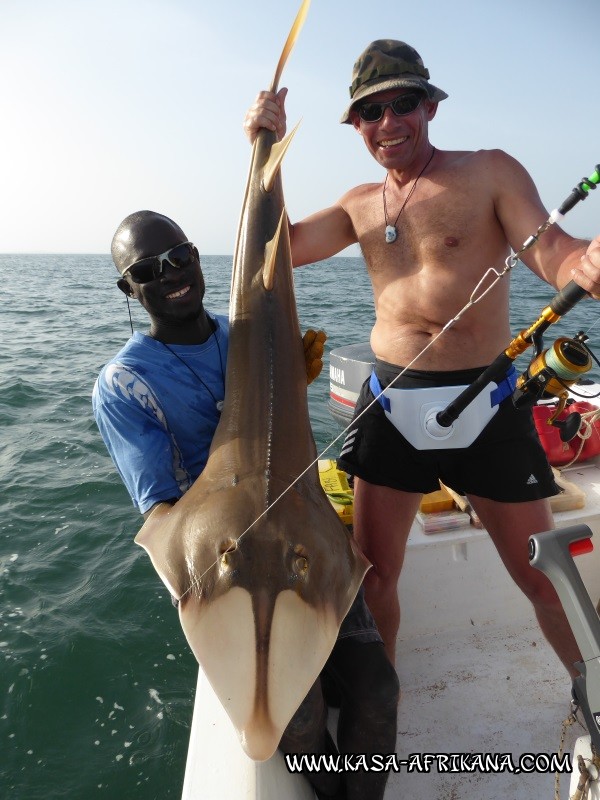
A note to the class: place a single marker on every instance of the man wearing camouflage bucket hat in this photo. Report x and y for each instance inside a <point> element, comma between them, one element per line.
<point>428,233</point>
<point>387,64</point>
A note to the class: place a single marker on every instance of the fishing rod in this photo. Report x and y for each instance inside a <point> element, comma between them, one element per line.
<point>550,372</point>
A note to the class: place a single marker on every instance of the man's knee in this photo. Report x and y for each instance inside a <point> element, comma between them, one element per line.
<point>381,579</point>
<point>539,591</point>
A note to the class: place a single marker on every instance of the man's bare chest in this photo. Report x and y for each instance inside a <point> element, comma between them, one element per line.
<point>440,225</point>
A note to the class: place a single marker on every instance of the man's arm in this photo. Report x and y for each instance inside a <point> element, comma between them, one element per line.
<point>322,235</point>
<point>556,257</point>
<point>135,439</point>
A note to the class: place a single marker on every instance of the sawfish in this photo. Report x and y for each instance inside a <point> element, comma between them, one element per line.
<point>262,566</point>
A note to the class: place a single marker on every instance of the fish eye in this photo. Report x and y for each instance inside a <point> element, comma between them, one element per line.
<point>300,565</point>
<point>300,561</point>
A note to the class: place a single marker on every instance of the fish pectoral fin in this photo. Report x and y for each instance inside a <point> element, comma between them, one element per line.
<point>271,254</point>
<point>276,156</point>
<point>153,537</point>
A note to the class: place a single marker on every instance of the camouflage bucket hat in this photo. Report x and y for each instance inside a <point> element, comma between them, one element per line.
<point>388,64</point>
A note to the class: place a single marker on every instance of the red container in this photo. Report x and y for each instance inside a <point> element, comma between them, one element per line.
<point>591,445</point>
<point>557,451</point>
<point>560,452</point>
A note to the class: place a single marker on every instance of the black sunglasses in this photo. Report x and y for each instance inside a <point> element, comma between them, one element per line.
<point>151,268</point>
<point>401,106</point>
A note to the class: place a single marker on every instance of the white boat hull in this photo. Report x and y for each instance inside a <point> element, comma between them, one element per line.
<point>217,768</point>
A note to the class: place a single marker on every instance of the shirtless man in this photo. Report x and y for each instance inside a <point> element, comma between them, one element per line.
<point>428,233</point>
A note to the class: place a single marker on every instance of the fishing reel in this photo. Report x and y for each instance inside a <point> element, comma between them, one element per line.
<point>550,374</point>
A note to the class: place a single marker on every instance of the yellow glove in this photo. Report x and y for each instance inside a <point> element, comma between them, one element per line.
<point>314,345</point>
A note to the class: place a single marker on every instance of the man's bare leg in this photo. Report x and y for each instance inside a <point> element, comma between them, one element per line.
<point>383,518</point>
<point>382,522</point>
<point>510,525</point>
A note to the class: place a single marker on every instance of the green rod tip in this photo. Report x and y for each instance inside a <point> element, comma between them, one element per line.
<point>587,184</point>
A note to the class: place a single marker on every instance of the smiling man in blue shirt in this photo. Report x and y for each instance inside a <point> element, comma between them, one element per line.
<point>157,404</point>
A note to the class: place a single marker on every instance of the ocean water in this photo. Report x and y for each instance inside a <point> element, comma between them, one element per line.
<point>96,679</point>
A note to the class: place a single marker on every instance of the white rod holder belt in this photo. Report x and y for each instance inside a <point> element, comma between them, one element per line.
<point>551,553</point>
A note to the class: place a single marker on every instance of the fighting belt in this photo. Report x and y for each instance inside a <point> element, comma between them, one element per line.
<point>413,412</point>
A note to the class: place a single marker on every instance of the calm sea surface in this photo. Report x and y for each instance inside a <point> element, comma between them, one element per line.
<point>96,679</point>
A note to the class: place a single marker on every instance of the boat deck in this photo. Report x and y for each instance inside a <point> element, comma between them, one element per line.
<point>476,673</point>
<point>493,690</point>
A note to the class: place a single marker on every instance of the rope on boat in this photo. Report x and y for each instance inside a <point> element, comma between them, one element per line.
<point>570,720</point>
<point>589,769</point>
<point>586,429</point>
<point>588,773</point>
<point>583,784</point>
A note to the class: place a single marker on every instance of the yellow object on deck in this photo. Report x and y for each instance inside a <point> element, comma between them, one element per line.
<point>439,500</point>
<point>335,485</point>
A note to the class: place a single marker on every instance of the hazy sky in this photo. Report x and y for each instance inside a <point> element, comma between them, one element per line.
<point>110,106</point>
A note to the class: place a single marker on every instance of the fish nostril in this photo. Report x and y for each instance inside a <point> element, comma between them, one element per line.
<point>227,546</point>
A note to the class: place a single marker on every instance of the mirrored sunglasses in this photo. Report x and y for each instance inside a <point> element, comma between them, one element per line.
<point>401,106</point>
<point>151,268</point>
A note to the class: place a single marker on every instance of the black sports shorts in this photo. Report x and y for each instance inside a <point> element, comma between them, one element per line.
<point>506,462</point>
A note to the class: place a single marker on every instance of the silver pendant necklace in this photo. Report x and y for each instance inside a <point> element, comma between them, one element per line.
<point>391,232</point>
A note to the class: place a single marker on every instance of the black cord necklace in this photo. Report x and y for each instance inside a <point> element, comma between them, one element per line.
<point>218,403</point>
<point>391,232</point>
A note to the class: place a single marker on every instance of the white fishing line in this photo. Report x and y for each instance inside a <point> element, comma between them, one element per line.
<point>593,325</point>
<point>473,300</point>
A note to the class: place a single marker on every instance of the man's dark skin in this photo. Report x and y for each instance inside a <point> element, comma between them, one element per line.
<point>179,320</point>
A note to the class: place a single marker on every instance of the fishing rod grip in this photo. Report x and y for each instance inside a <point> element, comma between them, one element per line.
<point>495,372</point>
<point>568,297</point>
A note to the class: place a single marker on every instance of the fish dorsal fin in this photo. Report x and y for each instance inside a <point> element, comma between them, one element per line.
<point>276,156</point>
<point>271,254</point>
<point>290,42</point>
